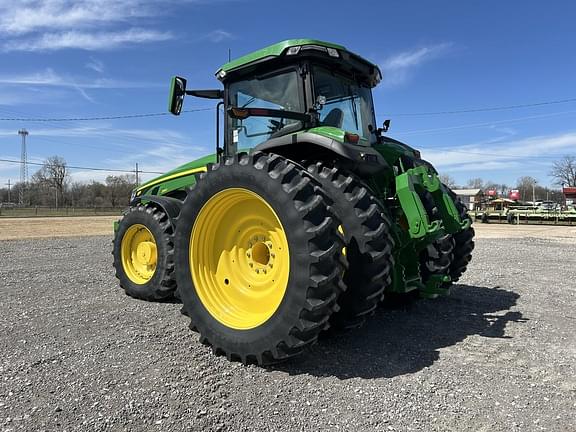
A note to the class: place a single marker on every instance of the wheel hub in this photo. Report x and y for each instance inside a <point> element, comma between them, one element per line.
<point>259,254</point>
<point>146,253</point>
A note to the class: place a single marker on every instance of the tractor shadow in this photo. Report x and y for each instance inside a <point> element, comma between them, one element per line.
<point>401,340</point>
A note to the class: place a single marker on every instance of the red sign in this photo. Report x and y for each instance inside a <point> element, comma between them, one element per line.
<point>569,192</point>
<point>491,193</point>
<point>514,195</point>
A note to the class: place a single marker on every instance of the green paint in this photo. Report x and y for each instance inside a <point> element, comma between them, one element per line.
<point>179,182</point>
<point>274,51</point>
<point>329,132</point>
<point>391,151</point>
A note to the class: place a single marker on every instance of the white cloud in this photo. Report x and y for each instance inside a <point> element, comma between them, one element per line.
<point>86,40</point>
<point>218,36</point>
<point>502,155</point>
<point>96,65</point>
<point>22,17</point>
<point>48,25</point>
<point>49,78</point>
<point>397,69</point>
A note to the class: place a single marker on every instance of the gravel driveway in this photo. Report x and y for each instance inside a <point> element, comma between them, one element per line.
<point>498,355</point>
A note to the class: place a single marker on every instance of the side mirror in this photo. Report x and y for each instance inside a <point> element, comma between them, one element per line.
<point>176,97</point>
<point>386,125</point>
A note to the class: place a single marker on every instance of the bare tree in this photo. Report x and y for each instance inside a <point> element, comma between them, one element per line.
<point>53,173</point>
<point>448,180</point>
<point>475,183</point>
<point>564,171</point>
<point>527,187</point>
<point>119,188</point>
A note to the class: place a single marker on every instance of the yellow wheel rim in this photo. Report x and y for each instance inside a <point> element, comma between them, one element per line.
<point>139,254</point>
<point>239,258</point>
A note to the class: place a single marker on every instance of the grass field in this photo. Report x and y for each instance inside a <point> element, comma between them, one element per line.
<point>16,212</point>
<point>46,227</point>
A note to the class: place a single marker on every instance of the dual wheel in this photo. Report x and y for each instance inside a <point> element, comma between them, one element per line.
<point>261,250</point>
<point>450,254</point>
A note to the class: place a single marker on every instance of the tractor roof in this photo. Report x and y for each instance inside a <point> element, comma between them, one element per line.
<point>298,48</point>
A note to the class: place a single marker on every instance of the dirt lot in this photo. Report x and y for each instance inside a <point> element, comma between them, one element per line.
<point>42,227</point>
<point>498,355</point>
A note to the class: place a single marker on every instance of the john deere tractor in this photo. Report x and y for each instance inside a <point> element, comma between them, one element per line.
<point>306,216</point>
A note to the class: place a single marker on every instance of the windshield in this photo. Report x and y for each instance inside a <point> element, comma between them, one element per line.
<point>348,105</point>
<point>278,91</point>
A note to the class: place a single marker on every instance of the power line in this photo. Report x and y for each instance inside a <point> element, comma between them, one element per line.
<point>500,155</point>
<point>431,113</point>
<point>474,110</point>
<point>127,138</point>
<point>85,168</point>
<point>476,125</point>
<point>115,117</point>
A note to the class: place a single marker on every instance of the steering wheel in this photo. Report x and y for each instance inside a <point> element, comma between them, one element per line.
<point>275,125</point>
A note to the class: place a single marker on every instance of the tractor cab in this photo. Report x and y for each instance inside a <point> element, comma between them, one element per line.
<point>296,91</point>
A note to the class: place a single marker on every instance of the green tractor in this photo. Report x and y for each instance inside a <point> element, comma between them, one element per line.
<point>306,216</point>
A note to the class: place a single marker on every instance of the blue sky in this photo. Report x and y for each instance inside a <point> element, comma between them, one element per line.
<point>62,58</point>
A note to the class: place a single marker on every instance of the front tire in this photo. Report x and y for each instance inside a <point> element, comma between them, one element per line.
<point>144,254</point>
<point>258,259</point>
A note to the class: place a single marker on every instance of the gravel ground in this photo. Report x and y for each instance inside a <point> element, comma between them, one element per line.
<point>498,355</point>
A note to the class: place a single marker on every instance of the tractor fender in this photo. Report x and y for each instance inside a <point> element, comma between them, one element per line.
<point>364,160</point>
<point>170,206</point>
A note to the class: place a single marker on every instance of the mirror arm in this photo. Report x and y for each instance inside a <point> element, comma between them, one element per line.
<point>206,94</point>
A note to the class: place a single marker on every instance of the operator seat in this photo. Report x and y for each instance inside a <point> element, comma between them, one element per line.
<point>334,118</point>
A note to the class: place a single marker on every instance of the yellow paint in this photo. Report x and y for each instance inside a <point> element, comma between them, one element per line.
<point>341,231</point>
<point>239,258</point>
<point>139,254</point>
<point>171,177</point>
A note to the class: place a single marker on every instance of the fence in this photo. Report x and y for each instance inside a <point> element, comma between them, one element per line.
<point>61,211</point>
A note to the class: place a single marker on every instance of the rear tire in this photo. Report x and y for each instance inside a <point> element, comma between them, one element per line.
<point>369,244</point>
<point>237,214</point>
<point>436,258</point>
<point>144,254</point>
<point>463,243</point>
<point>450,254</point>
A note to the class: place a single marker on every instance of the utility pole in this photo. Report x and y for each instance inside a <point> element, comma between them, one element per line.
<point>23,167</point>
<point>136,174</point>
<point>534,193</point>
<point>8,184</point>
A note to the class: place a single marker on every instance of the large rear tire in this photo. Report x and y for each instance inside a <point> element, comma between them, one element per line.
<point>436,258</point>
<point>463,243</point>
<point>369,243</point>
<point>450,254</point>
<point>258,259</point>
<point>144,254</point>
